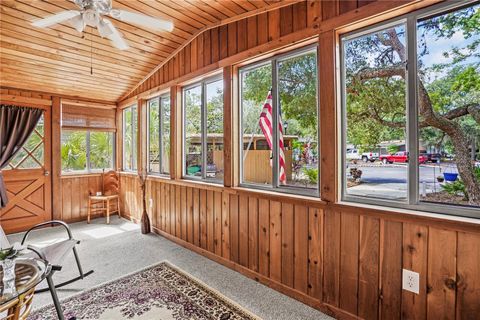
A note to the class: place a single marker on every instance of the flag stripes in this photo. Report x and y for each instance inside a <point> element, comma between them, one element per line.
<point>266,124</point>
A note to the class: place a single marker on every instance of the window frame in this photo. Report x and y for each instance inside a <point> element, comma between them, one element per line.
<point>133,159</point>
<point>204,128</point>
<point>274,62</point>
<point>160,98</point>
<point>413,201</point>
<point>88,169</point>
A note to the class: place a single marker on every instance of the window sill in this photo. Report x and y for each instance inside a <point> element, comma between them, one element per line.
<point>202,184</point>
<point>414,214</point>
<point>129,173</point>
<point>69,175</point>
<point>158,177</point>
<point>281,196</point>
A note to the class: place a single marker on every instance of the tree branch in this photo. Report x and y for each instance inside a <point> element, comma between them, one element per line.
<point>369,73</point>
<point>474,110</point>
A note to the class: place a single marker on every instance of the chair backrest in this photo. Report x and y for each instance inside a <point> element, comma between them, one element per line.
<point>110,183</point>
<point>4,243</point>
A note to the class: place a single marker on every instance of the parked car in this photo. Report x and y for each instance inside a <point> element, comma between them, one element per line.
<point>354,154</point>
<point>400,157</point>
<point>432,157</point>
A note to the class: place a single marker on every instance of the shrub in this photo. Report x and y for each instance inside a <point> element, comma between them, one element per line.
<point>312,175</point>
<point>458,186</point>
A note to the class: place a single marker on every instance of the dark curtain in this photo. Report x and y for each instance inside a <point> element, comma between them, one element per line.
<point>16,125</point>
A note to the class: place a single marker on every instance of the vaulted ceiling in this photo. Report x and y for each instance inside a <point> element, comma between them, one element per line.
<point>61,60</point>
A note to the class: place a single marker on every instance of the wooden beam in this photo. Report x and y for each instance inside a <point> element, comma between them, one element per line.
<point>175,133</point>
<point>82,103</point>
<point>328,129</point>
<point>56,159</point>
<point>141,135</point>
<point>228,120</point>
<point>119,140</point>
<point>10,98</point>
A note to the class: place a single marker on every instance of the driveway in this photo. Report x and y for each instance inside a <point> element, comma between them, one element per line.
<point>390,181</point>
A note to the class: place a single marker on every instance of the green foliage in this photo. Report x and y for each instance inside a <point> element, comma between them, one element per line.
<point>312,175</point>
<point>193,112</point>
<point>297,87</point>
<point>74,150</point>
<point>458,186</point>
<point>392,149</point>
<point>101,150</point>
<point>467,80</point>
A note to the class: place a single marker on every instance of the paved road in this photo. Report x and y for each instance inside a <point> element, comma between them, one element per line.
<point>390,181</point>
<point>398,173</point>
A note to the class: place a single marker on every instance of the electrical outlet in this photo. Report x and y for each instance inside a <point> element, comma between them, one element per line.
<point>151,203</point>
<point>411,281</point>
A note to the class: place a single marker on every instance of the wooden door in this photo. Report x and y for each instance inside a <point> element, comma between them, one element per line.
<point>28,181</point>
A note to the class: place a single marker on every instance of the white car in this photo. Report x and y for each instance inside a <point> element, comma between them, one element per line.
<point>354,154</point>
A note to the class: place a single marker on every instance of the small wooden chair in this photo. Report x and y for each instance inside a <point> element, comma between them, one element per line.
<point>110,195</point>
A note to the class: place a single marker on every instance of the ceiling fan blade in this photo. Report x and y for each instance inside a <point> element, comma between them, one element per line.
<point>56,18</point>
<point>114,36</point>
<point>105,28</point>
<point>142,20</point>
<point>78,23</point>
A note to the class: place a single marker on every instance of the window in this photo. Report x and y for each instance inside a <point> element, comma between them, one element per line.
<point>285,158</point>
<point>203,130</point>
<point>30,156</point>
<point>159,135</point>
<point>130,125</point>
<point>87,150</point>
<point>410,133</point>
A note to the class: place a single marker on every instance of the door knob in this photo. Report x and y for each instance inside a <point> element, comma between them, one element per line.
<point>47,173</point>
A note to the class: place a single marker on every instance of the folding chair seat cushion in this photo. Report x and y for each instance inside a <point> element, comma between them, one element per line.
<point>55,253</point>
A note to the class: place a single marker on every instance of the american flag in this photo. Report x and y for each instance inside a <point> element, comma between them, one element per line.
<point>266,124</point>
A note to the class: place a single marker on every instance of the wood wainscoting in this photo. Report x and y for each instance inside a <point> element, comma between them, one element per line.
<point>75,190</point>
<point>345,261</point>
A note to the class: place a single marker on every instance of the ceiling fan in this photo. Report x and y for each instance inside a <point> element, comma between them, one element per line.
<point>92,13</point>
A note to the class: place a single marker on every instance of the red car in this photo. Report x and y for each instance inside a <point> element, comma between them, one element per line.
<point>401,157</point>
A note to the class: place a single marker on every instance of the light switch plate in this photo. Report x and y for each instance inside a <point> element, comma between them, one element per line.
<point>151,203</point>
<point>411,281</point>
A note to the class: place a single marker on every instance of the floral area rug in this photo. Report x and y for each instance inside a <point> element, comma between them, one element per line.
<point>158,292</point>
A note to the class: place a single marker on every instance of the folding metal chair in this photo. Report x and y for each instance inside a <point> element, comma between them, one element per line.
<point>54,254</point>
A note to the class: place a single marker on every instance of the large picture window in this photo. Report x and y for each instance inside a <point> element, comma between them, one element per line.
<point>410,111</point>
<point>130,131</point>
<point>279,123</point>
<point>88,151</point>
<point>159,135</point>
<point>203,130</point>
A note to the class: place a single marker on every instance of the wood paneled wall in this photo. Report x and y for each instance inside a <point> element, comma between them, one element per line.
<point>345,261</point>
<point>228,40</point>
<point>75,191</point>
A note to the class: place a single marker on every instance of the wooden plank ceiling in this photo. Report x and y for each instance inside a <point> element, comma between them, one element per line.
<point>58,59</point>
